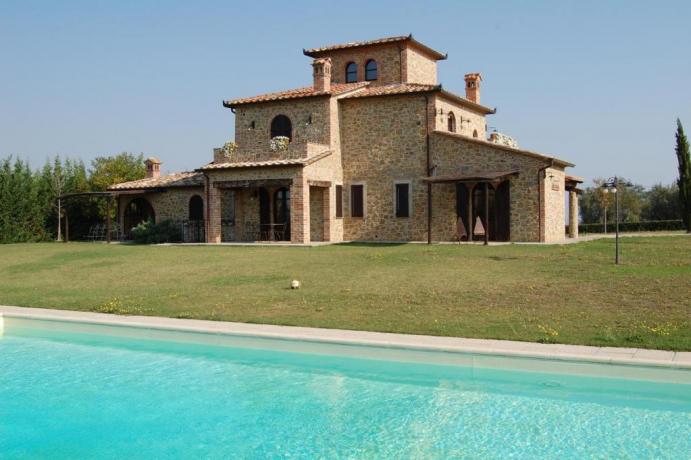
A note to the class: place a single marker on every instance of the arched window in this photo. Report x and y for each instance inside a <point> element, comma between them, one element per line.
<point>281,126</point>
<point>196,208</point>
<point>351,72</point>
<point>452,122</point>
<point>475,133</point>
<point>371,70</point>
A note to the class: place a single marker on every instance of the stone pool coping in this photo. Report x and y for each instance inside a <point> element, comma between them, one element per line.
<point>574,353</point>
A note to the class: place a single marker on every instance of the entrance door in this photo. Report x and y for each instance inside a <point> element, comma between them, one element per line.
<point>264,214</point>
<point>282,212</point>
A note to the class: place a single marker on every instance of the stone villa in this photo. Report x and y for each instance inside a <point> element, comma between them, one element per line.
<point>374,150</point>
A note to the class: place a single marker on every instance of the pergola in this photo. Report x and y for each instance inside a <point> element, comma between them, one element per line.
<point>486,178</point>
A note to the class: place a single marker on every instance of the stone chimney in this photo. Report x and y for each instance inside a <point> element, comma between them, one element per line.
<point>322,74</point>
<point>153,168</point>
<point>472,87</point>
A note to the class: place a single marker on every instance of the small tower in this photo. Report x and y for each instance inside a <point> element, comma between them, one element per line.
<point>153,167</point>
<point>321,72</point>
<point>472,87</point>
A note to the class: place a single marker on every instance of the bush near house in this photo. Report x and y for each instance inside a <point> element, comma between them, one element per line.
<point>150,233</point>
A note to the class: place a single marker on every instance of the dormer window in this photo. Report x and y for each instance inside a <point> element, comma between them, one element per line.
<point>451,122</point>
<point>281,126</point>
<point>371,70</point>
<point>351,73</point>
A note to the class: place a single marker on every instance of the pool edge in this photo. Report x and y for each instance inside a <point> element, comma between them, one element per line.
<point>573,353</point>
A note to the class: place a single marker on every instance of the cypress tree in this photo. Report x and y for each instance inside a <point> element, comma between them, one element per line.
<point>684,181</point>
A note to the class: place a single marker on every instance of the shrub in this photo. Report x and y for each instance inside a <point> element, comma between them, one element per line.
<point>150,233</point>
<point>643,226</point>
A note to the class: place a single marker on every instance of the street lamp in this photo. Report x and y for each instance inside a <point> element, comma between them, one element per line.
<point>610,186</point>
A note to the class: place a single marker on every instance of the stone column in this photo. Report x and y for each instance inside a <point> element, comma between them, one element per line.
<point>299,210</point>
<point>573,214</point>
<point>213,234</point>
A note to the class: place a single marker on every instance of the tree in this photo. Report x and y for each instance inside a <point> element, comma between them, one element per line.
<point>662,203</point>
<point>684,181</point>
<point>106,171</point>
<point>595,202</point>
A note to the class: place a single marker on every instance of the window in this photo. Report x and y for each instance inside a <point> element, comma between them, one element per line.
<point>452,122</point>
<point>371,70</point>
<point>351,72</point>
<point>357,200</point>
<point>402,199</point>
<point>475,133</point>
<point>339,201</point>
<point>281,126</point>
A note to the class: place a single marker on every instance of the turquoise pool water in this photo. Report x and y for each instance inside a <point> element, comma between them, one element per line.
<point>85,395</point>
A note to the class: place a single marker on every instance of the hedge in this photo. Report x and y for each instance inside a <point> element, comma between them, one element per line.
<point>643,226</point>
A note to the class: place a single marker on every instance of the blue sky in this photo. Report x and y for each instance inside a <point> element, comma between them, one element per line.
<point>596,83</point>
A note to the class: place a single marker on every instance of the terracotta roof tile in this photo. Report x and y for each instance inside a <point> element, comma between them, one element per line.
<point>394,88</point>
<point>316,52</point>
<point>309,91</point>
<point>183,179</point>
<point>266,163</point>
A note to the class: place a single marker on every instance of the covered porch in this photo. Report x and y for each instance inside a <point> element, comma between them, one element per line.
<point>483,205</point>
<point>268,210</point>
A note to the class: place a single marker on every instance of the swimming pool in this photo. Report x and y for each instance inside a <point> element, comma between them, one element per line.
<point>91,391</point>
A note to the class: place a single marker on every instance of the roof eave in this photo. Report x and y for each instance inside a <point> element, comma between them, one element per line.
<point>316,52</point>
<point>468,103</point>
<point>539,156</point>
<point>234,104</point>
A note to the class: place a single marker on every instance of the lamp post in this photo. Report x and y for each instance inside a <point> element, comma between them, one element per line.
<point>611,185</point>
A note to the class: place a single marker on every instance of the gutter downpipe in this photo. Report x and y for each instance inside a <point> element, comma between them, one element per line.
<point>429,184</point>
<point>541,172</point>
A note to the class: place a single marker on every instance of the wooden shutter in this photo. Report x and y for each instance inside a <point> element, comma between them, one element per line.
<point>357,208</point>
<point>402,200</point>
<point>339,201</point>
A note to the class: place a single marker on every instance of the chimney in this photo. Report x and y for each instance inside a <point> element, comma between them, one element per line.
<point>153,168</point>
<point>322,74</point>
<point>472,87</point>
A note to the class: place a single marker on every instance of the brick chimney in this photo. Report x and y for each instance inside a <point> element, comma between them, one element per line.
<point>153,168</point>
<point>472,86</point>
<point>322,74</point>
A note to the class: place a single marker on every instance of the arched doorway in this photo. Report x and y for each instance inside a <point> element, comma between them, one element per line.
<point>282,211</point>
<point>137,211</point>
<point>193,229</point>
<point>196,208</point>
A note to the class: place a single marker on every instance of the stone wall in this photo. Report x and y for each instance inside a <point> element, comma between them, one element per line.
<point>172,204</point>
<point>382,141</point>
<point>309,117</point>
<point>419,67</point>
<point>555,201</point>
<point>456,154</point>
<point>388,57</point>
<point>316,199</point>
<point>467,122</point>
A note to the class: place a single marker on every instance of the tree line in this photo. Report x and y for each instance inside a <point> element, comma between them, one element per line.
<point>636,204</point>
<point>28,198</point>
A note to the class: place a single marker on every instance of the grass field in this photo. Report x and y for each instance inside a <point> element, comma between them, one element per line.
<point>564,294</point>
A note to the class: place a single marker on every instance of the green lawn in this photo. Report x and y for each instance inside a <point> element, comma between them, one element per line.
<point>567,294</point>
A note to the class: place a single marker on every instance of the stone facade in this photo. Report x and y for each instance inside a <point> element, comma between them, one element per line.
<point>376,134</point>
<point>173,204</point>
